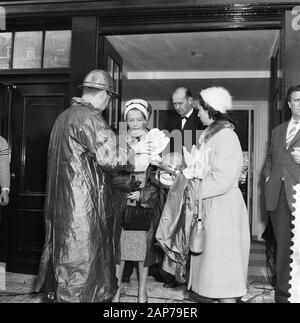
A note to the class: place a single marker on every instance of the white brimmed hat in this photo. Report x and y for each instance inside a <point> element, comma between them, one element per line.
<point>138,104</point>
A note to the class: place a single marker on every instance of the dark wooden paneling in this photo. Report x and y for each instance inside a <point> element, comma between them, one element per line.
<point>30,231</point>
<point>39,114</point>
<point>83,51</point>
<point>35,108</point>
<point>106,51</point>
<point>129,7</point>
<point>135,16</point>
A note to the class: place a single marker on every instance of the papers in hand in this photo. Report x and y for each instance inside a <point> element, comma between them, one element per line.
<point>197,162</point>
<point>149,148</point>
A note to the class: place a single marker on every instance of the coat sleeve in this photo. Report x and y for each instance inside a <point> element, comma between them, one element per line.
<point>226,164</point>
<point>100,144</point>
<point>4,164</point>
<point>151,190</point>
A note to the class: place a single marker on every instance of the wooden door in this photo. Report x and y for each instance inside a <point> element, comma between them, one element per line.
<point>110,61</point>
<point>34,108</point>
<point>276,102</point>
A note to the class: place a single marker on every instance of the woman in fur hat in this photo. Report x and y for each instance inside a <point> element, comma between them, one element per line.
<point>220,271</point>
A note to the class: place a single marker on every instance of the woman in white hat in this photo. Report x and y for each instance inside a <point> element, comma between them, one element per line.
<point>220,272</point>
<point>136,195</point>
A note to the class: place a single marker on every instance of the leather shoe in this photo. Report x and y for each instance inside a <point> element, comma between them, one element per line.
<point>172,284</point>
<point>158,277</point>
<point>125,279</point>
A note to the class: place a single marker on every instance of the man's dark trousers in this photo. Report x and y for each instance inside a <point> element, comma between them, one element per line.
<point>281,223</point>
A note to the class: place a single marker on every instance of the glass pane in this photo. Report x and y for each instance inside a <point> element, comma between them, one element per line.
<point>5,50</point>
<point>116,117</point>
<point>109,112</point>
<point>28,49</point>
<point>57,48</point>
<point>242,127</point>
<point>110,66</point>
<point>116,76</point>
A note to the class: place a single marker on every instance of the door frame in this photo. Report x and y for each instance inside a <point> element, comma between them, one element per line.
<point>112,113</point>
<point>209,19</point>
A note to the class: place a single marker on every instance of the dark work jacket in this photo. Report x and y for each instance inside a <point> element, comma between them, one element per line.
<point>191,132</point>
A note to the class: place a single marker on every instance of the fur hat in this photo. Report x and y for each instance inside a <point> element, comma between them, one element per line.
<point>218,98</point>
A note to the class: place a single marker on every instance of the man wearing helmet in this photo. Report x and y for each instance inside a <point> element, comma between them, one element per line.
<point>77,263</point>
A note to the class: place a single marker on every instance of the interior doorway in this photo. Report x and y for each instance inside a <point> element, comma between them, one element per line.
<point>154,65</point>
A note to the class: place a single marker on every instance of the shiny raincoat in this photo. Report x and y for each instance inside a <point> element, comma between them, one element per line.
<point>175,225</point>
<point>78,252</point>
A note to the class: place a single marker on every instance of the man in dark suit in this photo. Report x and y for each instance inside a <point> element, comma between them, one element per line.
<point>282,172</point>
<point>188,121</point>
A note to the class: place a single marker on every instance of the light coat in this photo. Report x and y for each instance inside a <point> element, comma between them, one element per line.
<point>221,270</point>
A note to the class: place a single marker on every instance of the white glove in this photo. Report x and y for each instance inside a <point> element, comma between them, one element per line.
<point>153,144</point>
<point>142,161</point>
<point>197,162</point>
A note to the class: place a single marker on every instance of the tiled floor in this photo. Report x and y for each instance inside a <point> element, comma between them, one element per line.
<point>19,286</point>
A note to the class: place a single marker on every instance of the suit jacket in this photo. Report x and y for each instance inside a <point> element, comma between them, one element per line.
<point>280,164</point>
<point>191,131</point>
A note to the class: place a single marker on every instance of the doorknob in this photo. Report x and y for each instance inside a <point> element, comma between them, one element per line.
<point>12,175</point>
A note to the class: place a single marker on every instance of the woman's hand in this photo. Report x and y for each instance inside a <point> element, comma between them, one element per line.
<point>4,197</point>
<point>134,196</point>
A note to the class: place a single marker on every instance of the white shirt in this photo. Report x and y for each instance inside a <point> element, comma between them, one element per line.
<point>183,121</point>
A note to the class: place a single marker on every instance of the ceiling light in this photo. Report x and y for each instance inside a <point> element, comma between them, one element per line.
<point>196,54</point>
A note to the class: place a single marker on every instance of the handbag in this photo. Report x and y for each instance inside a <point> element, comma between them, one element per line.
<point>137,218</point>
<point>198,234</point>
